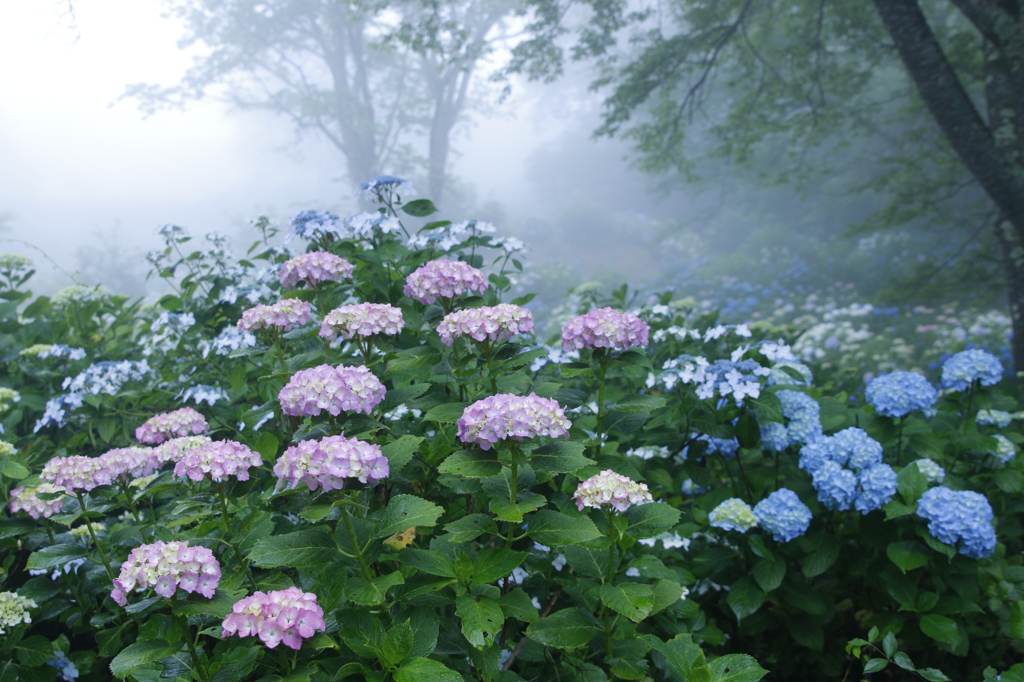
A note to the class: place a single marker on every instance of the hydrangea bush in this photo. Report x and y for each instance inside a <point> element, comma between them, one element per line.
<point>640,493</point>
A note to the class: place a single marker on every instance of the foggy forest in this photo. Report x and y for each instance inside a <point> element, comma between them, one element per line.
<point>509,340</point>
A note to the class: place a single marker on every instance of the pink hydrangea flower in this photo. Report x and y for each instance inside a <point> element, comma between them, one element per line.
<point>25,498</point>
<point>183,422</point>
<point>496,323</point>
<point>328,462</point>
<point>132,462</point>
<point>604,328</point>
<point>283,315</point>
<point>287,616</point>
<point>362,319</point>
<point>334,389</point>
<point>611,488</point>
<point>504,415</point>
<point>166,566</point>
<point>443,279</point>
<point>174,449</point>
<point>77,473</point>
<point>314,268</point>
<point>218,460</point>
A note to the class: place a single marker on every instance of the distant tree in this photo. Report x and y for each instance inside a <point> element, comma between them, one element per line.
<point>934,89</point>
<point>367,76</point>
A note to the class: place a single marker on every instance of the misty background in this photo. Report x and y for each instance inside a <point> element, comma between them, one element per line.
<point>87,177</point>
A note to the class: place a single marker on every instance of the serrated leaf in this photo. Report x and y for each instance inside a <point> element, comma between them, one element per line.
<point>33,651</point>
<point>940,628</point>
<point>449,413</point>
<point>471,463</point>
<point>139,654</point>
<point>482,619</point>
<point>397,643</point>
<point>665,593</point>
<point>560,457</point>
<point>590,563</point>
<point>374,593</point>
<point>648,520</point>
<point>745,598</point>
<point>889,644</point>
<point>637,403</point>
<point>493,563</point>
<point>470,527</point>
<point>824,555</point>
<point>632,600</point>
<point>565,629</point>
<point>911,483</point>
<point>14,469</point>
<point>907,555</point>
<point>428,561</point>
<point>504,510</point>
<point>735,668</point>
<point>554,529</point>
<point>406,511</point>
<point>420,208</point>
<point>302,549</point>
<point>55,555</point>
<point>874,665</point>
<point>903,661</point>
<point>517,604</point>
<point>769,572</point>
<point>400,452</point>
<point>425,670</point>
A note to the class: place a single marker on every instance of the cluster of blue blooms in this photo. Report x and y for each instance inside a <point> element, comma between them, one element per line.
<point>783,515</point>
<point>804,422</point>
<point>847,471</point>
<point>966,367</point>
<point>959,517</point>
<point>900,393</point>
<point>306,223</point>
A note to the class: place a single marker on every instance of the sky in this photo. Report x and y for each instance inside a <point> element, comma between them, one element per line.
<point>80,167</point>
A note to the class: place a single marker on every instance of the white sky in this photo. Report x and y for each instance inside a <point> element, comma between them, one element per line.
<point>73,159</point>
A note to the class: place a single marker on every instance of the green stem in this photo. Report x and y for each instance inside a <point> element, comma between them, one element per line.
<point>92,533</point>
<point>190,643</point>
<point>490,365</point>
<point>602,359</point>
<point>280,351</point>
<point>49,531</point>
<point>363,566</point>
<point>899,443</point>
<point>233,541</point>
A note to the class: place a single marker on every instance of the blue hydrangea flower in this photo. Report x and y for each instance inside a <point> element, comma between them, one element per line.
<point>856,449</point>
<point>959,517</point>
<point>803,415</point>
<point>814,455</point>
<point>836,486</point>
<point>726,447</point>
<point>876,486</point>
<point>996,418</point>
<point>381,184</point>
<point>783,515</point>
<point>899,393</point>
<point>774,437</point>
<point>305,223</point>
<point>690,488</point>
<point>1005,449</point>
<point>931,470</point>
<point>63,664</point>
<point>966,367</point>
<point>733,514</point>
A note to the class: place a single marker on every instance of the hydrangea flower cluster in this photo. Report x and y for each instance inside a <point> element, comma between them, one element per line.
<point>328,462</point>
<point>333,389</point>
<point>164,567</point>
<point>218,460</point>
<point>131,462</point>
<point>504,415</point>
<point>26,499</point>
<point>443,279</point>
<point>107,377</point>
<point>229,339</point>
<point>283,315</point>
<point>931,470</point>
<point>8,396</point>
<point>783,515</point>
<point>968,366</point>
<point>77,473</point>
<point>14,610</point>
<point>65,666</point>
<point>997,418</point>
<point>314,268</point>
<point>203,393</point>
<point>733,514</point>
<point>495,323</point>
<point>174,449</point>
<point>84,532</point>
<point>780,377</point>
<point>57,350</point>
<point>804,422</point>
<point>959,517</point>
<point>287,616</point>
<point>1005,449</point>
<point>167,425</point>
<point>608,487</point>
<point>363,225</point>
<point>649,452</point>
<point>736,378</point>
<point>385,185</point>
<point>362,319</point>
<point>79,293</point>
<point>447,237</point>
<point>897,394</point>
<point>605,328</point>
<point>847,470</point>
<point>306,224</point>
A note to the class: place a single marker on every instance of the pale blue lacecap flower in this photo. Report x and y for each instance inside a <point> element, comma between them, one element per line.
<point>783,515</point>
<point>733,514</point>
<point>931,470</point>
<point>1005,449</point>
<point>997,418</point>
<point>897,394</point>
<point>306,224</point>
<point>203,393</point>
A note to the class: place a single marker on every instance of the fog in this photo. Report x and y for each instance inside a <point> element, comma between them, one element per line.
<point>87,178</point>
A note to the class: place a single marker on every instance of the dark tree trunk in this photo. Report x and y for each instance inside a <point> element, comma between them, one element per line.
<point>990,150</point>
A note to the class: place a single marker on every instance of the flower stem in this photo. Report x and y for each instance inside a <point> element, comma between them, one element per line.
<point>92,533</point>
